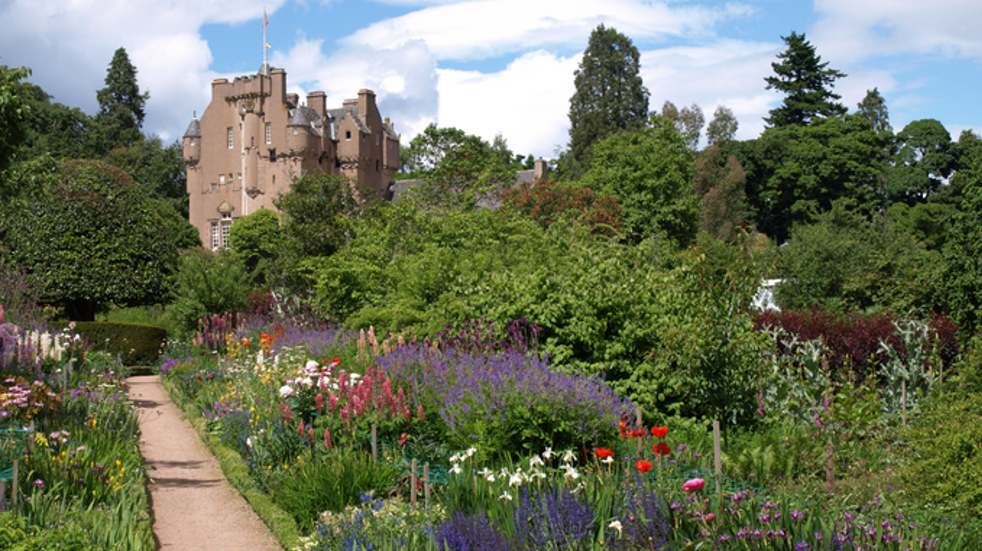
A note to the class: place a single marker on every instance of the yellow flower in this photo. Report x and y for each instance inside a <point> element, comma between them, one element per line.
<point>41,440</point>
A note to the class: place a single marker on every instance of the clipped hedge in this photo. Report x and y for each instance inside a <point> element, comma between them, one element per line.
<point>136,344</point>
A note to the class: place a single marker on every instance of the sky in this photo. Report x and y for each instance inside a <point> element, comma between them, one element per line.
<point>501,66</point>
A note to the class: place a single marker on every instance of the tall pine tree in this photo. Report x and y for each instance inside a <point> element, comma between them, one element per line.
<point>610,94</point>
<point>806,82</point>
<point>121,105</point>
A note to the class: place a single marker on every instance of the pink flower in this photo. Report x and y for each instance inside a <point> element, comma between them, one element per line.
<point>693,485</point>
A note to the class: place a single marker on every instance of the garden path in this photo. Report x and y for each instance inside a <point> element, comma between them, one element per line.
<point>194,507</point>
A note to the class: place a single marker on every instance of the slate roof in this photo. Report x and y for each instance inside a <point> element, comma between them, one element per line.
<point>337,115</point>
<point>194,129</point>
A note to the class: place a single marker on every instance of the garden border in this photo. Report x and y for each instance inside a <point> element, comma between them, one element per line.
<point>279,522</point>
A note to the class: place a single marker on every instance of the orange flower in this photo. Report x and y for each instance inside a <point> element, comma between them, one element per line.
<point>643,466</point>
<point>661,448</point>
<point>603,453</point>
<point>245,341</point>
<point>659,432</point>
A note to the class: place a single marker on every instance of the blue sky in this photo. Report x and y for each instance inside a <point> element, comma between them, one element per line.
<point>502,66</point>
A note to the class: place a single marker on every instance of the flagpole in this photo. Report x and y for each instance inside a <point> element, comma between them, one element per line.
<point>265,59</point>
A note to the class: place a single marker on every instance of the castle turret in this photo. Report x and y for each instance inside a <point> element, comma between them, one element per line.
<point>297,133</point>
<point>192,143</point>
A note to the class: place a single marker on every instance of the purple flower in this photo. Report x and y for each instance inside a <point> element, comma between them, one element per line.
<point>552,520</point>
<point>469,533</point>
<point>797,515</point>
<point>39,484</point>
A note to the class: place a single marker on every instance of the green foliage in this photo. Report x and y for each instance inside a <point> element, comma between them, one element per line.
<point>317,212</point>
<point>457,167</point>
<point>610,95</point>
<point>330,482</point>
<point>924,160</point>
<point>719,182</point>
<point>962,251</point>
<point>256,239</point>
<point>207,283</point>
<point>688,122</point>
<point>796,172</point>
<point>14,112</point>
<point>723,127</point>
<point>136,344</point>
<point>157,168</point>
<point>649,172</point>
<point>806,83</point>
<point>56,129</point>
<point>121,105</point>
<point>846,262</point>
<point>943,461</point>
<point>89,237</point>
<point>873,108</point>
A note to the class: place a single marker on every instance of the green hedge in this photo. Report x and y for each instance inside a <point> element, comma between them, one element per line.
<point>137,344</point>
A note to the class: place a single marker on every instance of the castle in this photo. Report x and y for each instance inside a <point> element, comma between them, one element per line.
<point>254,139</point>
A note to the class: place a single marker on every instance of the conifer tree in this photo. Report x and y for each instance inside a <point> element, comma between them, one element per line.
<point>121,105</point>
<point>874,109</point>
<point>806,82</point>
<point>610,94</point>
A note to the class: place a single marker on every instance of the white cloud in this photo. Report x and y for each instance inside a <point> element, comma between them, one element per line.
<point>848,30</point>
<point>68,44</point>
<point>527,102</point>
<point>404,79</point>
<point>728,72</point>
<point>482,28</point>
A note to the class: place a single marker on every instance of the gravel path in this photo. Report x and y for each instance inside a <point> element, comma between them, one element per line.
<point>194,507</point>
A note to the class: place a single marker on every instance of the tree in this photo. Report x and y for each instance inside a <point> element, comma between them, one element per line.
<point>316,215</point>
<point>121,105</point>
<point>874,109</point>
<point>723,127</point>
<point>89,237</point>
<point>963,249</point>
<point>256,239</point>
<point>157,168</point>
<point>649,172</point>
<point>14,112</point>
<point>610,94</point>
<point>796,172</point>
<point>689,122</point>
<point>923,162</point>
<point>719,181</point>
<point>806,83</point>
<point>547,203</point>
<point>207,283</point>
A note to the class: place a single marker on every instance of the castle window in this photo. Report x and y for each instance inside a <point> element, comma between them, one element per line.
<point>229,139</point>
<point>272,154</point>
<point>269,133</point>
<point>215,236</point>
<point>221,179</point>
<point>347,135</point>
<point>378,165</point>
<point>226,229</point>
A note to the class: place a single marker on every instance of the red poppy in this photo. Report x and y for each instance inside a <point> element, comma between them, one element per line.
<point>603,453</point>
<point>643,466</point>
<point>661,448</point>
<point>659,432</point>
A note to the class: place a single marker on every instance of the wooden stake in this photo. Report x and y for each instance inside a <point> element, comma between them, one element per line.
<point>426,485</point>
<point>374,443</point>
<point>717,459</point>
<point>3,495</point>
<point>412,483</point>
<point>830,466</point>
<point>13,497</point>
<point>903,401</point>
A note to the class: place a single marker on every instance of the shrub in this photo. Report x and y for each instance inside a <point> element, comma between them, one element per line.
<point>135,343</point>
<point>547,202</point>
<point>208,283</point>
<point>257,240</point>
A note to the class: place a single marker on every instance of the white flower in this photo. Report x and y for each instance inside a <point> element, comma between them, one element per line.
<point>311,365</point>
<point>516,479</point>
<point>537,474</point>
<point>571,473</point>
<point>607,460</point>
<point>505,496</point>
<point>456,469</point>
<point>548,454</point>
<point>470,453</point>
<point>456,458</point>
<point>285,391</point>
<point>249,442</point>
<point>536,461</point>
<point>569,456</point>
<point>616,525</point>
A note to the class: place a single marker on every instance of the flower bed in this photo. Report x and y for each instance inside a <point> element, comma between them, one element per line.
<point>332,433</point>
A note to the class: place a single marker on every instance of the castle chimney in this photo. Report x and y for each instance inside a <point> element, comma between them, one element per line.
<point>366,98</point>
<point>317,101</point>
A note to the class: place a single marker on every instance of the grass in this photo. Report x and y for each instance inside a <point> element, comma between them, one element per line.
<point>280,523</point>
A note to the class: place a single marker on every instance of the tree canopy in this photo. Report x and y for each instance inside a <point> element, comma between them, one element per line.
<point>610,94</point>
<point>121,104</point>
<point>806,82</point>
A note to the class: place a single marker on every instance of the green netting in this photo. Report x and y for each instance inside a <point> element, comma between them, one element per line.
<point>12,444</point>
